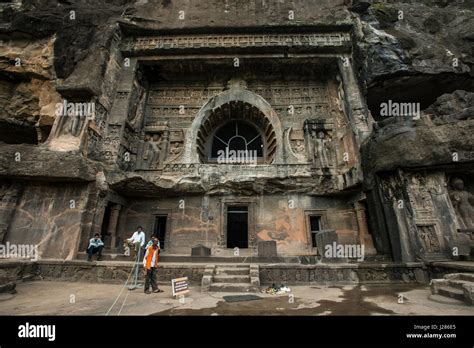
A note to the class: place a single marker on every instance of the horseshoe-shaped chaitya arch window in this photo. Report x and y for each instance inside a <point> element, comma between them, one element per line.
<point>233,130</point>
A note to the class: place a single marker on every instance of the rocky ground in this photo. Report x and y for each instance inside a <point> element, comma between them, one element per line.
<point>65,298</point>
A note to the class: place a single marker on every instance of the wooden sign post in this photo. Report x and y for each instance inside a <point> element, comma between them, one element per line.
<point>179,286</point>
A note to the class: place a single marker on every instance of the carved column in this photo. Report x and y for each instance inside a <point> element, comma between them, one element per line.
<point>113,222</point>
<point>120,111</point>
<point>364,237</point>
<point>360,120</point>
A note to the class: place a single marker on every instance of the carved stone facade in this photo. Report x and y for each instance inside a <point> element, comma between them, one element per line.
<point>424,223</point>
<point>153,134</point>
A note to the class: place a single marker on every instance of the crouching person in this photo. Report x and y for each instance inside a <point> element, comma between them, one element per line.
<point>150,264</point>
<point>95,247</point>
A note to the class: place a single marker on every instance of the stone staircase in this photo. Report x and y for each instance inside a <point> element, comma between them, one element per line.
<point>454,287</point>
<point>231,278</point>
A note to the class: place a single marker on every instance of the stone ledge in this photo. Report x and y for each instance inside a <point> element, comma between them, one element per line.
<point>345,265</point>
<point>344,273</point>
<point>118,271</point>
<point>37,161</point>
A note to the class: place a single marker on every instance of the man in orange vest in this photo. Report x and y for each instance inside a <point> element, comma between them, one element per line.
<point>150,264</point>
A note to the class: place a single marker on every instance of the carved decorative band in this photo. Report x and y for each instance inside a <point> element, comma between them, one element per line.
<point>227,41</point>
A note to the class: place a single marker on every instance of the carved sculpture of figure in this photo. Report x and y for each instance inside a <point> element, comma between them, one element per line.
<point>68,124</point>
<point>299,146</point>
<point>428,235</point>
<point>164,144</point>
<point>151,151</point>
<point>321,152</point>
<point>420,195</point>
<point>76,124</point>
<point>462,201</point>
<point>156,148</point>
<point>175,149</point>
<point>146,147</point>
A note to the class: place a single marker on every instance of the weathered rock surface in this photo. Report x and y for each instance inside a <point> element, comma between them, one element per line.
<point>150,184</point>
<point>33,162</point>
<point>44,50</point>
<point>415,51</point>
<point>442,137</point>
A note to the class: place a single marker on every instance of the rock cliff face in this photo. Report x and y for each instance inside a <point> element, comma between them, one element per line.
<point>415,51</point>
<point>418,52</point>
<point>442,137</point>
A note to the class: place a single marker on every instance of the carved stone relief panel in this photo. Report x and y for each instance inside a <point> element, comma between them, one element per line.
<point>149,157</point>
<point>110,145</point>
<point>154,148</point>
<point>168,42</point>
<point>176,145</point>
<point>428,237</point>
<point>321,138</point>
<point>297,143</point>
<point>294,102</point>
<point>70,130</point>
<point>419,194</point>
<point>462,200</point>
<point>177,105</point>
<point>96,131</point>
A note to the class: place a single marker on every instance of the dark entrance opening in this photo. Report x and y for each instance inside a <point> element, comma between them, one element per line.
<point>160,229</point>
<point>237,227</point>
<point>315,225</point>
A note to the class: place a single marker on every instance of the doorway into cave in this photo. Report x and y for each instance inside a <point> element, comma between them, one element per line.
<point>160,229</point>
<point>237,227</point>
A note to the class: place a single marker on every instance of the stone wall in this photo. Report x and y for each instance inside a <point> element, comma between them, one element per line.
<point>202,220</point>
<point>83,271</point>
<point>343,274</point>
<point>292,274</point>
<point>50,216</point>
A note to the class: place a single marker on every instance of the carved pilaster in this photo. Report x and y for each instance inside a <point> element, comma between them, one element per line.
<point>359,117</point>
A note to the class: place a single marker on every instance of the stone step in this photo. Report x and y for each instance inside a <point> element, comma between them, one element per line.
<point>469,277</point>
<point>449,291</point>
<point>105,257</point>
<point>234,265</point>
<point>232,271</point>
<point>458,284</point>
<point>446,300</point>
<point>8,288</point>
<point>232,287</point>
<point>231,279</point>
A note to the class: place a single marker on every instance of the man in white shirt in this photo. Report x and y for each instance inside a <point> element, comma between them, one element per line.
<point>136,242</point>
